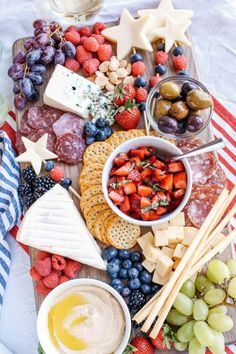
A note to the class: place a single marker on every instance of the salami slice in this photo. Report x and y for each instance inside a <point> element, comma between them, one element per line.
<point>218,178</point>
<point>25,129</point>
<point>42,117</point>
<point>36,135</point>
<point>70,148</point>
<point>198,209</point>
<point>68,123</point>
<point>186,145</point>
<point>19,143</point>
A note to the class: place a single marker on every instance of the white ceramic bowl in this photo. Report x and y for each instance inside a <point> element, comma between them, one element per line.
<point>50,300</point>
<point>162,145</point>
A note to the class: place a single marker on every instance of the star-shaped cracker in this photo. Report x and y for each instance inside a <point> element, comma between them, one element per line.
<point>172,32</point>
<point>130,33</point>
<point>36,153</point>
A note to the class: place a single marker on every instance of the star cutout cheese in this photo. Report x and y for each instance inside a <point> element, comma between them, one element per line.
<point>130,33</point>
<point>172,32</point>
<point>36,153</point>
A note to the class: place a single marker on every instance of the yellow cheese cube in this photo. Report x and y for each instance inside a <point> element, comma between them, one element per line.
<point>164,265</point>
<point>179,251</point>
<point>162,226</point>
<point>167,251</point>
<point>149,265</point>
<point>161,238</point>
<point>178,220</point>
<point>152,253</point>
<point>160,280</point>
<point>176,234</point>
<point>189,234</point>
<point>177,261</point>
<point>146,239</point>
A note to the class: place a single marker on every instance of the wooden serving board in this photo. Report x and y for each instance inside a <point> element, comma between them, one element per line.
<point>74,171</point>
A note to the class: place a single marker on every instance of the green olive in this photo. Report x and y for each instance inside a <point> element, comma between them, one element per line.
<point>169,90</point>
<point>162,108</point>
<point>179,110</point>
<point>198,99</point>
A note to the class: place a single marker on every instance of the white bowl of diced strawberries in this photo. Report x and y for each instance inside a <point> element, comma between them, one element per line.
<point>140,187</point>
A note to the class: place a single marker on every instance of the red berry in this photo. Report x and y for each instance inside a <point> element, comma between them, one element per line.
<point>41,255</point>
<point>51,280</point>
<point>161,57</point>
<point>99,37</point>
<point>104,52</point>
<point>141,94</point>
<point>41,288</point>
<point>82,39</point>
<point>180,62</point>
<point>72,269</point>
<point>154,80</point>
<point>44,266</point>
<point>98,27</point>
<point>90,66</point>
<point>57,174</point>
<point>82,54</point>
<point>73,37</point>
<point>72,64</point>
<point>71,28</point>
<point>63,279</point>
<point>91,44</point>
<point>138,68</point>
<point>84,31</point>
<point>35,274</point>
<point>58,262</point>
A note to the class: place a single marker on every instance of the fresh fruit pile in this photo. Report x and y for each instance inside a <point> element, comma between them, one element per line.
<point>144,187</point>
<point>177,109</point>
<point>50,271</point>
<point>180,61</point>
<point>98,131</point>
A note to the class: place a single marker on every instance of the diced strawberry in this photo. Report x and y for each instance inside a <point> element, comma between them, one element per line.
<point>116,197</point>
<point>138,153</point>
<point>135,176</point>
<point>144,191</point>
<point>136,214</point>
<point>180,180</point>
<point>159,164</point>
<point>121,159</point>
<point>178,193</point>
<point>161,195</point>
<point>146,150</point>
<point>158,173</point>
<point>111,181</point>
<point>168,196</point>
<point>130,188</point>
<point>167,183</point>
<point>161,210</point>
<point>173,205</point>
<point>125,205</point>
<point>155,199</point>
<point>176,167</point>
<point>136,160</point>
<point>124,170</point>
<point>113,170</point>
<point>146,172</point>
<point>160,177</point>
<point>135,200</point>
<point>150,215</point>
<point>152,159</point>
<point>145,202</point>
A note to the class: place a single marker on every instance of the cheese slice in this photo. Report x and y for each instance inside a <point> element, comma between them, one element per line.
<point>54,224</point>
<point>161,238</point>
<point>152,253</point>
<point>179,251</point>
<point>158,279</point>
<point>149,265</point>
<point>162,226</point>
<point>168,251</point>
<point>164,265</point>
<point>176,234</point>
<point>189,234</point>
<point>178,220</point>
<point>146,239</point>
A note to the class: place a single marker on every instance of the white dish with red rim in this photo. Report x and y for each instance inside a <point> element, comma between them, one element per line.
<point>163,146</point>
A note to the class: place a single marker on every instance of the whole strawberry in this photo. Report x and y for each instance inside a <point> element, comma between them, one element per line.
<point>128,115</point>
<point>123,93</point>
<point>164,339</point>
<point>139,345</point>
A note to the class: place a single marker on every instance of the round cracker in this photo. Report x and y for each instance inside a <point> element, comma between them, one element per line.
<point>97,148</point>
<point>92,201</point>
<point>122,234</point>
<point>84,185</point>
<point>105,225</point>
<point>96,159</point>
<point>87,169</point>
<point>121,136</point>
<point>89,193</point>
<point>99,222</point>
<point>92,215</point>
<point>84,178</point>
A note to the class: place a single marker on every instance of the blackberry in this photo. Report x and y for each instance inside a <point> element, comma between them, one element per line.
<point>42,184</point>
<point>25,188</point>
<point>28,199</point>
<point>136,300</point>
<point>28,174</point>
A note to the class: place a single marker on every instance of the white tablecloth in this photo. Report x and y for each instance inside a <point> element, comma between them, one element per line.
<point>214,35</point>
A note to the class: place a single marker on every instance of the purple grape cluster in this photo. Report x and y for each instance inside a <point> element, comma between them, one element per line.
<point>47,46</point>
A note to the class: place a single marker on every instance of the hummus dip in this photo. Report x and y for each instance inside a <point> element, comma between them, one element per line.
<point>86,320</point>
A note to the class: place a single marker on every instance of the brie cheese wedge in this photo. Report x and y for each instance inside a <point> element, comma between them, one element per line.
<point>53,224</point>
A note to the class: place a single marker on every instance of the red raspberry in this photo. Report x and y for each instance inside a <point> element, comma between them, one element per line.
<point>57,272</point>
<point>91,44</point>
<point>41,288</point>
<point>82,39</point>
<point>138,68</point>
<point>161,57</point>
<point>44,267</point>
<point>84,31</point>
<point>72,269</point>
<point>58,262</point>
<point>82,54</point>
<point>72,64</point>
<point>51,281</point>
<point>73,37</point>
<point>154,80</point>
<point>63,279</point>
<point>41,255</point>
<point>35,274</point>
<point>99,37</point>
<point>141,94</point>
<point>98,27</point>
<point>57,174</point>
<point>180,62</point>
<point>90,66</point>
<point>104,52</point>
<point>71,28</point>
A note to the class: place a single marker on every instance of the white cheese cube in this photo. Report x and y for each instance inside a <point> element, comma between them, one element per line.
<point>176,234</point>
<point>145,239</point>
<point>162,226</point>
<point>152,253</point>
<point>149,265</point>
<point>178,220</point>
<point>167,251</point>
<point>160,280</point>
<point>189,234</point>
<point>179,251</point>
<point>161,238</point>
<point>164,265</point>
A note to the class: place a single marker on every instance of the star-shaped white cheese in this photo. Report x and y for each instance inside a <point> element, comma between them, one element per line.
<point>130,33</point>
<point>172,32</point>
<point>36,153</point>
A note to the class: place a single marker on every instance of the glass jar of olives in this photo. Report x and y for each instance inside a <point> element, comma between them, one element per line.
<point>179,107</point>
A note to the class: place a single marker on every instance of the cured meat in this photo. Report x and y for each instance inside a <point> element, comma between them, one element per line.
<point>42,117</point>
<point>218,178</point>
<point>24,127</point>
<point>70,148</point>
<point>19,143</point>
<point>201,191</point>
<point>68,123</point>
<point>186,145</point>
<point>36,134</point>
<point>198,209</point>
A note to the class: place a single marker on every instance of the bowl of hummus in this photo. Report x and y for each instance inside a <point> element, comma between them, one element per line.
<point>84,316</point>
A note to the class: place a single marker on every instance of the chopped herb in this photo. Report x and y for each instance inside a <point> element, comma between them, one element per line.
<point>132,166</point>
<point>163,202</point>
<point>156,186</point>
<point>146,164</point>
<point>116,185</point>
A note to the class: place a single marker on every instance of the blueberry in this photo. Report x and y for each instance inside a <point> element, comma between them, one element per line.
<point>118,288</point>
<point>125,292</point>
<point>142,106</point>
<point>145,277</point>
<point>66,182</point>
<point>161,46</point>
<point>100,135</point>
<point>136,57</point>
<point>178,51</point>
<point>140,82</point>
<point>146,289</point>
<point>108,131</point>
<point>115,282</point>
<point>183,73</point>
<point>132,273</point>
<point>113,275</point>
<point>113,266</point>
<point>127,264</point>
<point>138,266</point>
<point>90,129</point>
<point>49,165</point>
<point>123,273</point>
<point>89,140</point>
<point>134,284</point>
<point>101,123</point>
<point>123,254</point>
<point>155,288</point>
<point>160,69</point>
<point>135,256</point>
<point>109,253</point>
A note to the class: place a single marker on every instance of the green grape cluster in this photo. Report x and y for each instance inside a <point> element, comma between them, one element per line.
<point>199,312</point>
